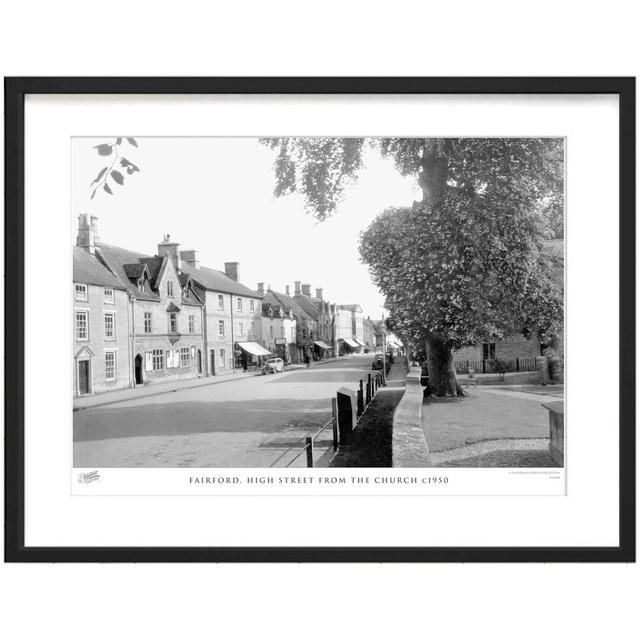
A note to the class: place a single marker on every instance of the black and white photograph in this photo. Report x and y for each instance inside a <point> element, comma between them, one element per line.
<point>327,302</point>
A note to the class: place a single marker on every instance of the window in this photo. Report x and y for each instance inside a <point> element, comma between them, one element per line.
<point>222,356</point>
<point>192,324</point>
<point>82,325</point>
<point>184,356</point>
<point>488,350</point>
<point>220,327</point>
<point>170,288</point>
<point>253,327</point>
<point>141,284</point>
<point>173,323</point>
<point>158,359</point>
<point>109,296</point>
<point>282,331</point>
<point>147,321</point>
<point>252,305</point>
<point>82,292</point>
<point>293,335</point>
<point>109,365</point>
<point>240,328</point>
<point>110,326</point>
<point>239,304</point>
<point>220,302</point>
<point>271,331</point>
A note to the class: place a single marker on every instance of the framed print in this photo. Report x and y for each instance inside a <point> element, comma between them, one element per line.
<point>320,319</point>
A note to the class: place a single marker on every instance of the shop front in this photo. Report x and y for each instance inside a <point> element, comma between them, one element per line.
<point>250,355</point>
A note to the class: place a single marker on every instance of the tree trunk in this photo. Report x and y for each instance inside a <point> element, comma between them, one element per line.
<point>442,373</point>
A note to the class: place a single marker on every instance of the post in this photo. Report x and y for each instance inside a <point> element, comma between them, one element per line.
<point>346,402</point>
<point>369,394</point>
<point>334,410</point>
<point>360,400</point>
<point>309,445</point>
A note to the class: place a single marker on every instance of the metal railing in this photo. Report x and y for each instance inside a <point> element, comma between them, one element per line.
<point>496,365</point>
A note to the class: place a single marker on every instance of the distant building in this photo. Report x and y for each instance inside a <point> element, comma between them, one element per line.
<point>320,310</point>
<point>517,350</point>
<point>349,328</point>
<point>278,326</point>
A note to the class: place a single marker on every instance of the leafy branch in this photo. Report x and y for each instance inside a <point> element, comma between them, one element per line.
<point>109,172</point>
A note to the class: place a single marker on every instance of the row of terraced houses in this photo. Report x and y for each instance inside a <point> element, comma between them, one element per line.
<point>142,318</point>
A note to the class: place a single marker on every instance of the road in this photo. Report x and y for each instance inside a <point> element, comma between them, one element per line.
<point>258,421</point>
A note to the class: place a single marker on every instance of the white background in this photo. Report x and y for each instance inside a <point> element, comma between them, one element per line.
<point>547,38</point>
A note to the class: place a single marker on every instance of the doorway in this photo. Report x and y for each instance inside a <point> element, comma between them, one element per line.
<point>199,361</point>
<point>84,385</point>
<point>138,370</point>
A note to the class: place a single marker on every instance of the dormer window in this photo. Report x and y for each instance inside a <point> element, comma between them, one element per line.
<point>170,288</point>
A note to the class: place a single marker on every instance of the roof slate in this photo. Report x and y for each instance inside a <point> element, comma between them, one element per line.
<point>88,269</point>
<point>214,280</point>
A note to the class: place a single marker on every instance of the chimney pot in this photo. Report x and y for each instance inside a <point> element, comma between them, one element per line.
<point>260,287</point>
<point>319,294</point>
<point>306,290</point>
<point>297,287</point>
<point>286,288</point>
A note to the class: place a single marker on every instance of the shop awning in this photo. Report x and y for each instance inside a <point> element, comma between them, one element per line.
<point>362,344</point>
<point>322,345</point>
<point>352,343</point>
<point>253,348</point>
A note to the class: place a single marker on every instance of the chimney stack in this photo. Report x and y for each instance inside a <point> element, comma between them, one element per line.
<point>306,290</point>
<point>261,287</point>
<point>297,288</point>
<point>167,247</point>
<point>190,257</point>
<point>232,269</point>
<point>319,294</point>
<point>87,232</point>
<point>286,288</point>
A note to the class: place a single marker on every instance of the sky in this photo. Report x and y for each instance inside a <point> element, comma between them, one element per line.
<point>215,195</point>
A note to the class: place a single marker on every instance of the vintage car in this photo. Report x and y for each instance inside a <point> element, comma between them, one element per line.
<point>379,362</point>
<point>273,365</point>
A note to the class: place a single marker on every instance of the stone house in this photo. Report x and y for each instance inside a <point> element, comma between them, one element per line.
<point>233,315</point>
<point>321,311</point>
<point>166,317</point>
<point>101,349</point>
<point>306,326</point>
<point>278,326</point>
<point>517,349</point>
<point>349,328</point>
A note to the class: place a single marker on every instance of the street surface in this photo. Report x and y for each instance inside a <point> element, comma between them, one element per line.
<point>257,421</point>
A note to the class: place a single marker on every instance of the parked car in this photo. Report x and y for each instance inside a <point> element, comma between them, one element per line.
<point>378,362</point>
<point>273,365</point>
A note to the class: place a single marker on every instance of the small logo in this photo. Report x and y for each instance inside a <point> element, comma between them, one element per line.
<point>86,478</point>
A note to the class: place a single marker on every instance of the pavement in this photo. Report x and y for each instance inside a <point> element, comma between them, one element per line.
<point>247,421</point>
<point>158,388</point>
<point>492,426</point>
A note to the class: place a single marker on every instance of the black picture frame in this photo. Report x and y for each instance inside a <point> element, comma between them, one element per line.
<point>15,91</point>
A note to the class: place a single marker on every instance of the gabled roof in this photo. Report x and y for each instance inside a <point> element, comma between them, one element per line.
<point>313,306</point>
<point>117,258</point>
<point>214,280</point>
<point>288,301</point>
<point>89,269</point>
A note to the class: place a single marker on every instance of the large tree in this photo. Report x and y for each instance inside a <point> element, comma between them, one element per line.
<point>465,263</point>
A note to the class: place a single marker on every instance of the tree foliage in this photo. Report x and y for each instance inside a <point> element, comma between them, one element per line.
<point>109,172</point>
<point>468,261</point>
